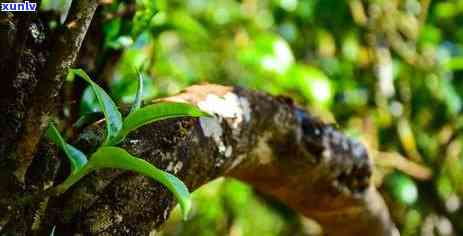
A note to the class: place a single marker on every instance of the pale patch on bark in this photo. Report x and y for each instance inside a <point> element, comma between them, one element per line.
<point>211,128</point>
<point>229,106</point>
<point>236,162</point>
<point>118,218</point>
<point>174,168</point>
<point>246,108</point>
<point>262,151</point>
<point>134,141</point>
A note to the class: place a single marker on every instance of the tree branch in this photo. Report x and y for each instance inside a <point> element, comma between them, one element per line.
<point>265,141</point>
<point>23,55</point>
<point>43,101</point>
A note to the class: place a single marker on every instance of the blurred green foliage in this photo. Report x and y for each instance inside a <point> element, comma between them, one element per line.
<point>388,72</point>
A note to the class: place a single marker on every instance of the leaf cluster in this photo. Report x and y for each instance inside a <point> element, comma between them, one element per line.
<point>108,155</point>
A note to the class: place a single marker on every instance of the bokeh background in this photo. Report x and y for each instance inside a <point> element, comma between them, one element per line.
<point>387,72</point>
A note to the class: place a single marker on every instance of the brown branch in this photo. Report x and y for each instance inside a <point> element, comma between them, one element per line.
<point>24,47</point>
<point>22,57</point>
<point>43,101</point>
<point>265,141</point>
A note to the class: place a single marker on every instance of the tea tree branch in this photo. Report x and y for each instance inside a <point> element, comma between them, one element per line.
<point>43,104</point>
<point>265,141</point>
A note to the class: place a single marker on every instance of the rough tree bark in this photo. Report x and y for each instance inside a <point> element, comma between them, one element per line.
<point>262,140</point>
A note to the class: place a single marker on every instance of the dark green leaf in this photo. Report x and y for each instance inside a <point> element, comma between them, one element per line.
<point>75,156</point>
<point>112,115</point>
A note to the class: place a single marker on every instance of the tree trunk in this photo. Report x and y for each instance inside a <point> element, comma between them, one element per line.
<point>265,141</point>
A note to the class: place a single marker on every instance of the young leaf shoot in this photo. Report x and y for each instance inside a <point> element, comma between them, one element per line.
<point>109,156</point>
<point>112,114</point>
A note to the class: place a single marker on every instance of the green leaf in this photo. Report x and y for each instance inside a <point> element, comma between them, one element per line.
<point>111,30</point>
<point>138,97</point>
<point>75,156</point>
<point>114,157</point>
<point>112,115</point>
<point>156,112</point>
<point>88,102</point>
